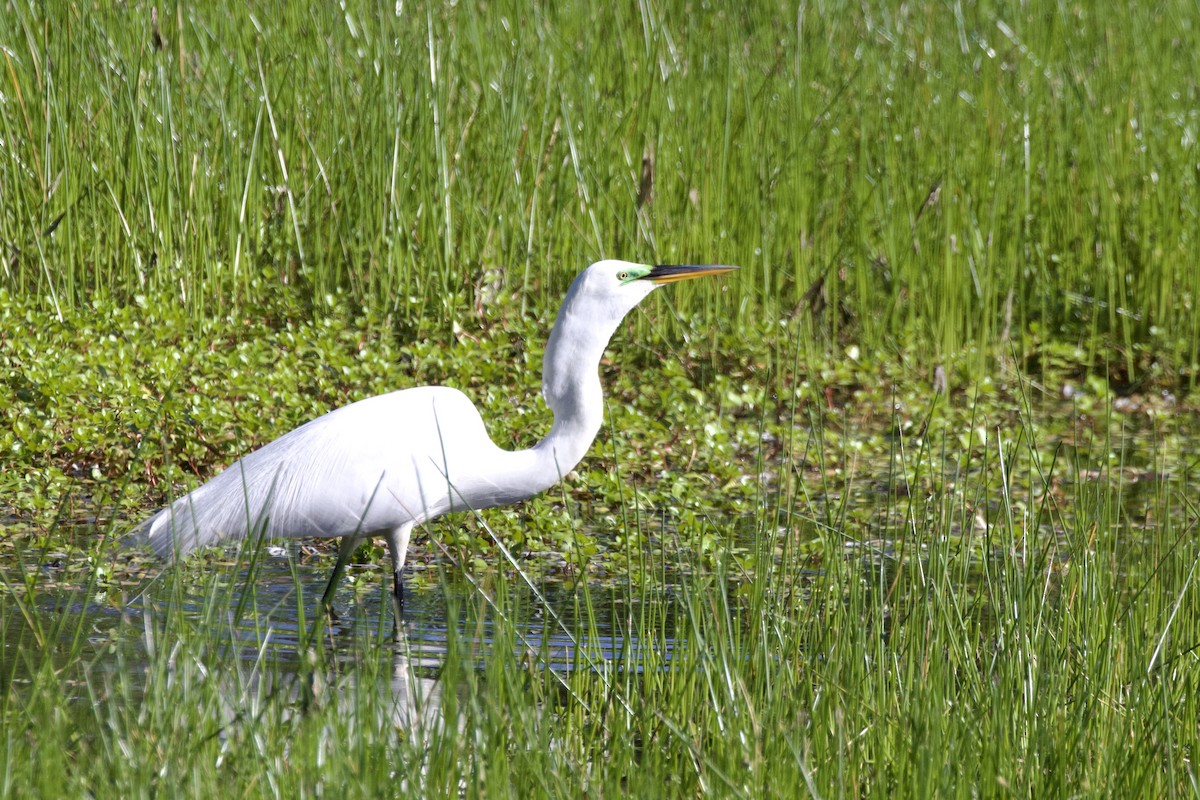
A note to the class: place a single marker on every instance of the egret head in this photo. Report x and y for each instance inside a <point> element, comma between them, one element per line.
<point>594,306</point>
<point>608,290</point>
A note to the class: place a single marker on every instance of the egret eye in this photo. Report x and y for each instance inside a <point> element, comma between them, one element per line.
<point>622,276</point>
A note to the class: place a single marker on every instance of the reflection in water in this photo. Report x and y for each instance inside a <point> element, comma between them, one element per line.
<point>416,691</point>
<point>260,644</point>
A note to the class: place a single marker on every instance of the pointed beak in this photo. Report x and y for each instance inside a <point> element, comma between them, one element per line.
<point>671,273</point>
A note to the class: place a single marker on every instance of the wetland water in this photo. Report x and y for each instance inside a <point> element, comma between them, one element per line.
<point>871,518</point>
<point>263,630</point>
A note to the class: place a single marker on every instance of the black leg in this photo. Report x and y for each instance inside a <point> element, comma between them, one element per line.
<point>397,539</point>
<point>397,602</point>
<point>345,550</point>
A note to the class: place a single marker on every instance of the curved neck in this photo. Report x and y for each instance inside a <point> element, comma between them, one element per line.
<point>571,387</point>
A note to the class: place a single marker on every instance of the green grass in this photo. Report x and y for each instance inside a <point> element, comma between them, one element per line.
<point>1020,628</point>
<point>439,160</point>
<point>219,227</point>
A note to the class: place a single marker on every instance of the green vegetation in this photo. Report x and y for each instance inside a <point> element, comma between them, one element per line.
<point>821,576</point>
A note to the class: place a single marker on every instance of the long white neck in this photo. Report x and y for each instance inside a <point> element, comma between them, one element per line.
<point>571,387</point>
<point>594,306</point>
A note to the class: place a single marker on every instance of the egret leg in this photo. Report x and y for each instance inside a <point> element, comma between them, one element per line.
<point>397,539</point>
<point>345,550</point>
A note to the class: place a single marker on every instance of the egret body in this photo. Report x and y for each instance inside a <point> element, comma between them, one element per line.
<point>382,465</point>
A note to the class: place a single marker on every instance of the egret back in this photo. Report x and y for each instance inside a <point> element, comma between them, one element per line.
<point>387,461</point>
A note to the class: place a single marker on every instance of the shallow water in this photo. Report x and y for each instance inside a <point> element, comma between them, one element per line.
<point>269,628</point>
<point>871,512</point>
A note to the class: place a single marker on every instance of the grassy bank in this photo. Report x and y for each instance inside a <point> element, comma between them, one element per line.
<point>935,181</point>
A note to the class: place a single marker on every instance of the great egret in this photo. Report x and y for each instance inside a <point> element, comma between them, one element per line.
<point>382,465</point>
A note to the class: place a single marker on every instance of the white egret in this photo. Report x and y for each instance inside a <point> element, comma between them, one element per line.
<point>382,465</point>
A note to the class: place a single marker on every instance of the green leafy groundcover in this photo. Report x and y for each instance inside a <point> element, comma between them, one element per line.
<point>112,409</point>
